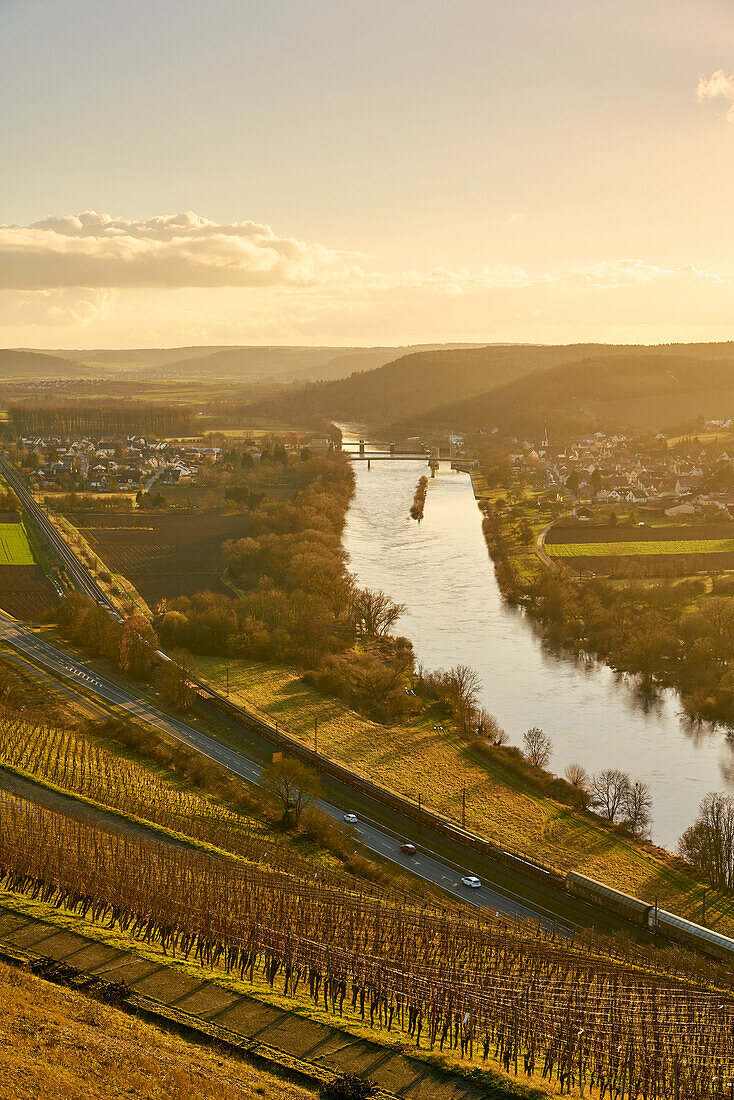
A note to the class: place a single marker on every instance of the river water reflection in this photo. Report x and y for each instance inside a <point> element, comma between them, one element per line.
<point>455,614</point>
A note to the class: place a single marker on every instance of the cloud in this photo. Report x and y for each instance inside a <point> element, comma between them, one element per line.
<point>718,85</point>
<point>515,217</point>
<point>180,250</point>
<point>68,306</point>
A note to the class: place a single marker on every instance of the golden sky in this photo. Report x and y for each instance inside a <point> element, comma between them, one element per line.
<point>342,172</point>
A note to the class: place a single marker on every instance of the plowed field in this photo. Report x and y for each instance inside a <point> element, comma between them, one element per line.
<point>163,555</point>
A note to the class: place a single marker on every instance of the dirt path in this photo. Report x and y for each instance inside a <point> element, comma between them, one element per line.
<point>69,806</point>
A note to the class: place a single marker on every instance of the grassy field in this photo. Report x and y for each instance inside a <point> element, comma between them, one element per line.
<point>67,1045</point>
<point>14,546</point>
<point>420,759</point>
<point>607,549</point>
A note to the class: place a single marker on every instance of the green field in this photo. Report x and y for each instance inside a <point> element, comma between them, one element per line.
<point>617,549</point>
<point>14,546</point>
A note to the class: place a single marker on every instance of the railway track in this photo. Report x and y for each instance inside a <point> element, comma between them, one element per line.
<point>77,575</point>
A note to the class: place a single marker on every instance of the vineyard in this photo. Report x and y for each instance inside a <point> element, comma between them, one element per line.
<point>82,766</point>
<point>163,556</point>
<point>567,1014</point>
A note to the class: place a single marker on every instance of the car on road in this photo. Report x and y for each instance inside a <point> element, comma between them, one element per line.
<point>409,849</point>
<point>351,819</point>
<point>471,880</point>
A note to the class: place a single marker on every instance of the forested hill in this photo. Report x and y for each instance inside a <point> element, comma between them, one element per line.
<point>37,364</point>
<point>647,388</point>
<point>514,388</point>
<point>413,385</point>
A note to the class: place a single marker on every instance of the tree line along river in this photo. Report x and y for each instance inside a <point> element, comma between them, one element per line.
<point>441,570</point>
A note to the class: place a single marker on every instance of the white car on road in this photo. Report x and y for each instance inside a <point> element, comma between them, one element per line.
<point>351,819</point>
<point>471,880</point>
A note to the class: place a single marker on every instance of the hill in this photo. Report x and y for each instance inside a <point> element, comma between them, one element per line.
<point>233,363</point>
<point>514,388</point>
<point>66,1044</point>
<point>415,384</point>
<point>282,363</point>
<point>644,388</point>
<point>15,363</point>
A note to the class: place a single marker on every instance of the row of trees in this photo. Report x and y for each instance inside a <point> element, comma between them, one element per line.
<point>101,419</point>
<point>297,602</point>
<point>612,794</point>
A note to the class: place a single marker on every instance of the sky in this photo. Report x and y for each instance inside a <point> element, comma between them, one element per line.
<point>365,172</point>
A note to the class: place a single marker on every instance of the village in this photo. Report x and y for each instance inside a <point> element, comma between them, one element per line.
<point>683,476</point>
<point>114,464</point>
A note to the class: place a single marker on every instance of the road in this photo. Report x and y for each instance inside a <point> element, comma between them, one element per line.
<point>540,545</point>
<point>375,837</point>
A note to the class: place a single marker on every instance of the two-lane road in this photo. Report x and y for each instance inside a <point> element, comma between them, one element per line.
<point>376,838</point>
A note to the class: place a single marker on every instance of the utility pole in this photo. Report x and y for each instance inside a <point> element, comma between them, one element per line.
<point>703,905</point>
<point>316,735</point>
<point>226,672</point>
<point>463,807</point>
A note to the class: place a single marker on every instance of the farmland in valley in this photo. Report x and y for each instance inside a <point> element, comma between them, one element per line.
<point>602,549</point>
<point>163,555</point>
<point>25,591</point>
<point>607,549</point>
<point>14,546</point>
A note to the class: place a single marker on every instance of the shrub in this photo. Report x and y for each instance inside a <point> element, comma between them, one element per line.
<point>350,1086</point>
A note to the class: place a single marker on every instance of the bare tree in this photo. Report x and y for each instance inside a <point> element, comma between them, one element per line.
<point>608,791</point>
<point>465,685</point>
<point>489,728</point>
<point>537,747</point>
<point>709,843</point>
<point>292,786</point>
<point>637,809</point>
<point>577,776</point>
<point>376,611</point>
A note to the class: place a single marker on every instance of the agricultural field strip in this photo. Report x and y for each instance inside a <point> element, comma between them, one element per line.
<point>614,549</point>
<point>14,546</point>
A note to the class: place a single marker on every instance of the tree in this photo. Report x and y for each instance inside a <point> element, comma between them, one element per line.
<point>525,531</point>
<point>292,786</point>
<point>577,776</point>
<point>537,747</point>
<point>708,844</point>
<point>464,685</point>
<point>637,809</point>
<point>609,791</point>
<point>489,728</point>
<point>173,679</point>
<point>137,646</point>
<point>376,611</point>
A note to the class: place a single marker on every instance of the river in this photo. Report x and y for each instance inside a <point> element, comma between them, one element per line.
<point>440,569</point>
